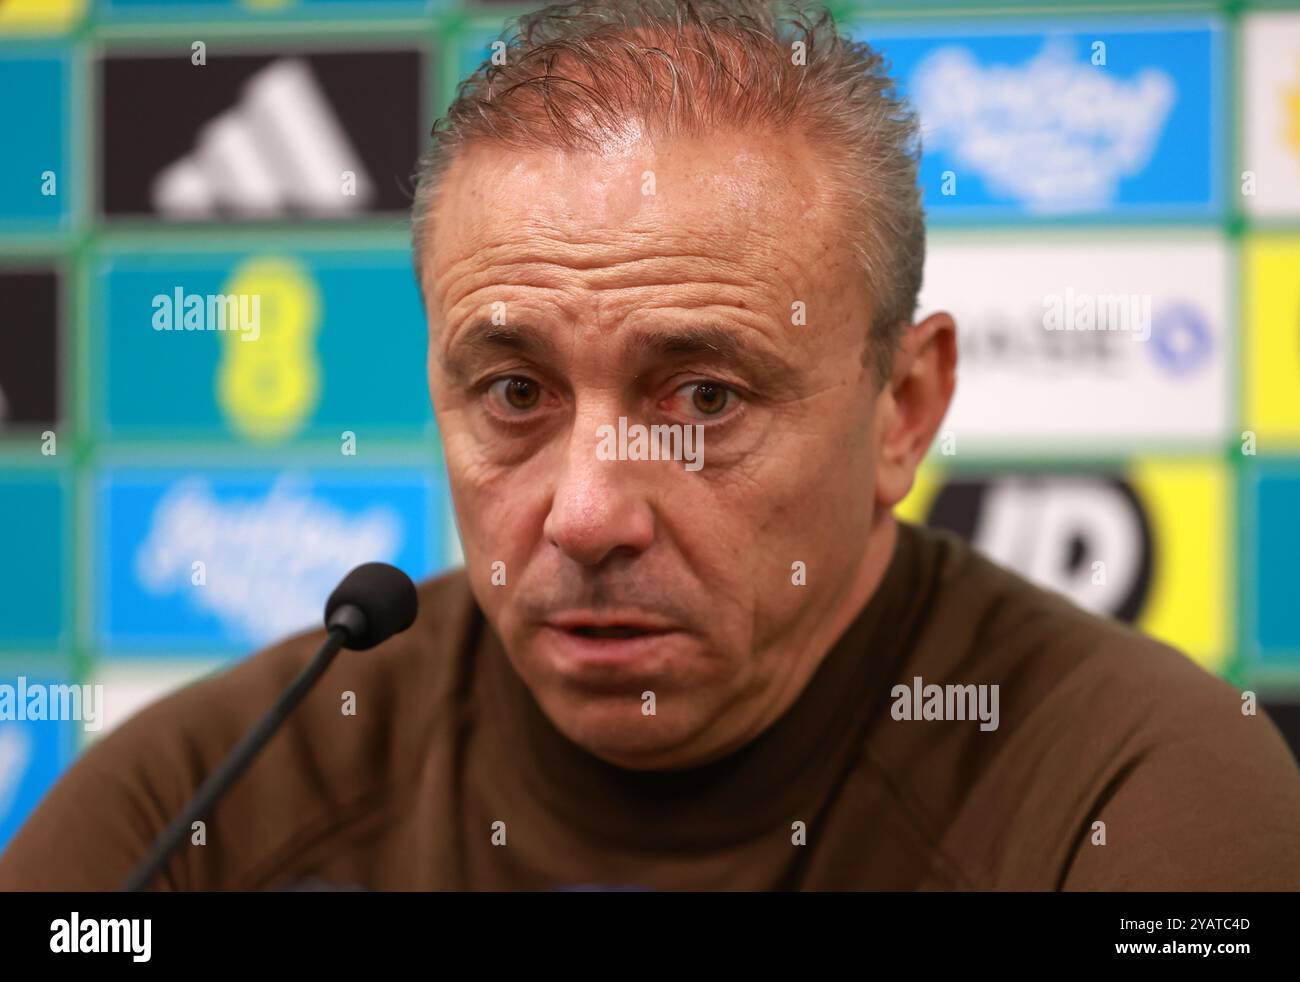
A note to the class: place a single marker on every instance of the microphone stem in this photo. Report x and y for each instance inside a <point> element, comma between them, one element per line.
<point>235,764</point>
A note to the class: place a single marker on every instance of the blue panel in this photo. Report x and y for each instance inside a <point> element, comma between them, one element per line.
<point>32,555</point>
<point>1277,578</point>
<point>32,755</point>
<point>339,345</point>
<point>1026,121</point>
<point>34,92</point>
<point>222,561</point>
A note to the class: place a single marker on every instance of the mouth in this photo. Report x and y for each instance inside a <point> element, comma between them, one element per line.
<point>613,632</point>
<point>616,626</point>
<point>614,646</point>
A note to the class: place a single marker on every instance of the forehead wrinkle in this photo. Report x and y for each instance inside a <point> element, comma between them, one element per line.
<point>664,251</point>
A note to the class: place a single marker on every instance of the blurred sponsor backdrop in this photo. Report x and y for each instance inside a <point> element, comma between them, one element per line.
<point>1114,201</point>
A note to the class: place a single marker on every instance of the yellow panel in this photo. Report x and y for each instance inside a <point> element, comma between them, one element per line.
<point>40,15</point>
<point>1188,502</point>
<point>1271,386</point>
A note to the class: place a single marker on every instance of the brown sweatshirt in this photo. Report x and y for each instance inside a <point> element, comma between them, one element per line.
<point>1116,763</point>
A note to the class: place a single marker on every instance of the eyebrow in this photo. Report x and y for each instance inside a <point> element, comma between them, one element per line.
<point>712,343</point>
<point>705,342</point>
<point>485,337</point>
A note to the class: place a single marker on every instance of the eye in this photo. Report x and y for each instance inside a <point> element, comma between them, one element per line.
<point>515,394</point>
<point>704,399</point>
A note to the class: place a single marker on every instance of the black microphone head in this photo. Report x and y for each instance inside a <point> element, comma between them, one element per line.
<point>383,594</point>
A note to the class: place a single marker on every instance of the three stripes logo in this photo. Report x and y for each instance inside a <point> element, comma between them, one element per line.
<point>280,150</point>
<point>246,137</point>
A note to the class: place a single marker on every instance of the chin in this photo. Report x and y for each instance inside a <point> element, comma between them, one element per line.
<point>615,729</point>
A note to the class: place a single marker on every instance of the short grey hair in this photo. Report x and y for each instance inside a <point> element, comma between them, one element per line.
<point>575,73</point>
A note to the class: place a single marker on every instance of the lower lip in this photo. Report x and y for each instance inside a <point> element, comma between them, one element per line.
<point>611,658</point>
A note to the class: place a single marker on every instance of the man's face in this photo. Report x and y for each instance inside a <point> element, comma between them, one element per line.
<point>687,284</point>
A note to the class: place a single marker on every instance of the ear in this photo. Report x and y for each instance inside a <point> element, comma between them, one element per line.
<point>913,403</point>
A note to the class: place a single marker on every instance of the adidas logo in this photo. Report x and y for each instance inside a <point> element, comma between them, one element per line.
<point>280,151</point>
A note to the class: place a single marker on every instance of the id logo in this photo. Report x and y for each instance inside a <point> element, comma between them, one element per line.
<point>1147,543</point>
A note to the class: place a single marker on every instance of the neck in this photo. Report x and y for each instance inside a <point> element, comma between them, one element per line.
<point>844,609</point>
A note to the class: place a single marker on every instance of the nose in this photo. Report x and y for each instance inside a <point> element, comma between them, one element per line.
<point>600,507</point>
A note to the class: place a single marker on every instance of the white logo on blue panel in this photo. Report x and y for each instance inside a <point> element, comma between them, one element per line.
<point>1063,118</point>
<point>1054,134</point>
<point>211,561</point>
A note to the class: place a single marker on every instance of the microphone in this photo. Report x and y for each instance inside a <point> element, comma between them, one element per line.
<point>371,604</point>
